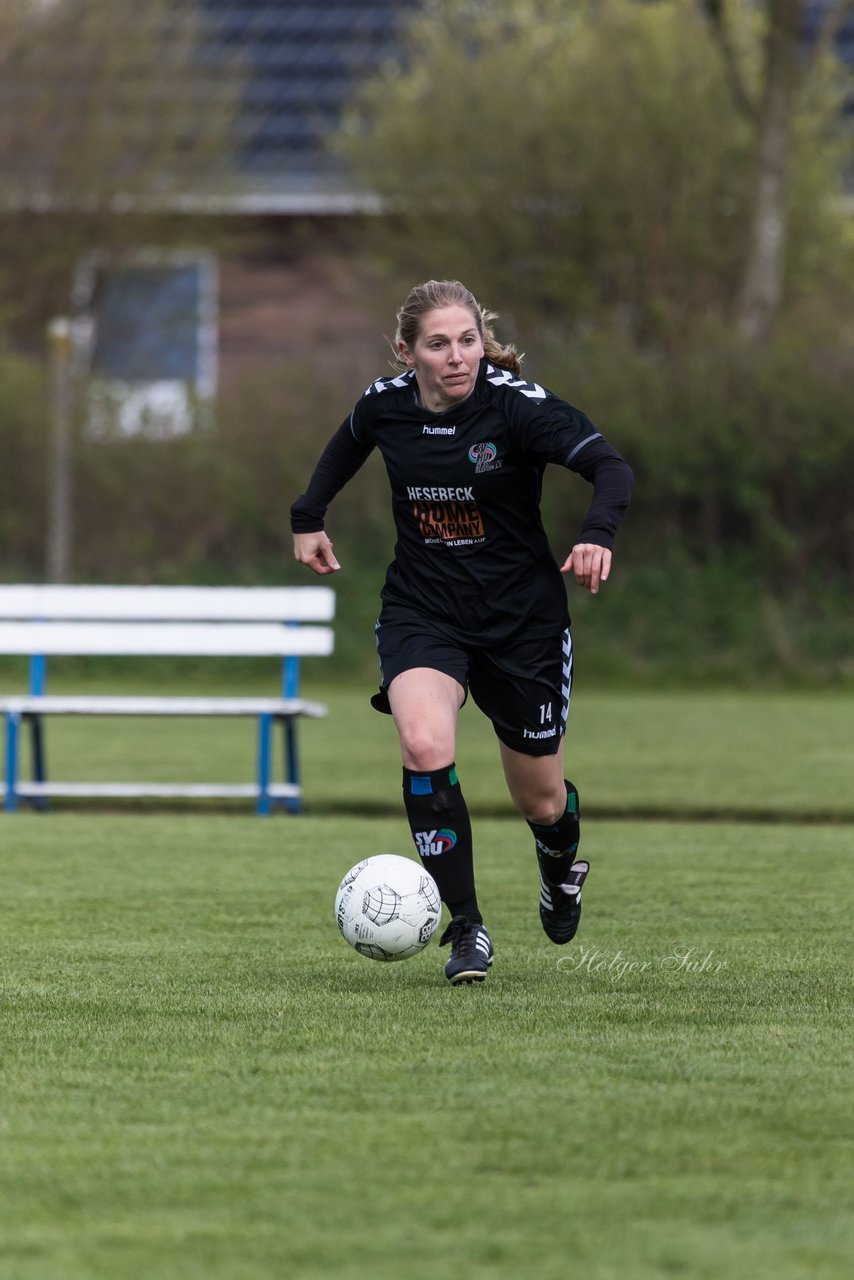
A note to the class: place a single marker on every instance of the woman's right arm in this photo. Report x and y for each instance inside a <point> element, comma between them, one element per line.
<point>338,463</point>
<point>315,550</point>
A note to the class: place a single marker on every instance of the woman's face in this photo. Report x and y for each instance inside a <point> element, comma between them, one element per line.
<point>445,357</point>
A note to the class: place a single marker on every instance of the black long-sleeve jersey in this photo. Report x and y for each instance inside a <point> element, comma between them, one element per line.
<point>466,486</point>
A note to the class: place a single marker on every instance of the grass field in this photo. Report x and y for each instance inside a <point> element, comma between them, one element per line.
<point>710,754</point>
<point>200,1079</point>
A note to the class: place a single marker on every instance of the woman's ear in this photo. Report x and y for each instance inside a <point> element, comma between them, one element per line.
<point>405,353</point>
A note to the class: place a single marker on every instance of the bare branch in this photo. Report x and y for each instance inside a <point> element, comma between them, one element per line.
<point>715,12</point>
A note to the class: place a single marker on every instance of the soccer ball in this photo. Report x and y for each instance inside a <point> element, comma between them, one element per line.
<point>388,908</point>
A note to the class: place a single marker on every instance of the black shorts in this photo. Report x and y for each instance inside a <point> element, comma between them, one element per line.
<point>523,685</point>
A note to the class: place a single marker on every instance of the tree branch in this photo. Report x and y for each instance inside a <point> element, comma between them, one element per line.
<point>715,13</point>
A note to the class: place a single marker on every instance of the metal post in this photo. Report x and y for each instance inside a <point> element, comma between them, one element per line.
<point>265,733</point>
<point>38,685</point>
<point>58,564</point>
<point>13,720</point>
<point>290,689</point>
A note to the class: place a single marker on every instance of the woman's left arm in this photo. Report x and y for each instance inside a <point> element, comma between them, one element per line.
<point>612,480</point>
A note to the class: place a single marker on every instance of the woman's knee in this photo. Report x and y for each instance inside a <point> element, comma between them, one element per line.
<point>540,796</point>
<point>425,704</point>
<point>542,808</point>
<point>424,747</point>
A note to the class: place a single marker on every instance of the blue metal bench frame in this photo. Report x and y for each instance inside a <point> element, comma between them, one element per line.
<point>287,709</point>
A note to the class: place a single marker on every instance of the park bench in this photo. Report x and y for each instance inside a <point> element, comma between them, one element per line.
<point>45,621</point>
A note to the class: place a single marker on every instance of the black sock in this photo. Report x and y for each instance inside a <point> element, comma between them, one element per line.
<point>441,828</point>
<point>559,843</point>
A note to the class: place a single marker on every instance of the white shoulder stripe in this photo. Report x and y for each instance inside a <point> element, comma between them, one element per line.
<point>504,378</point>
<point>385,384</point>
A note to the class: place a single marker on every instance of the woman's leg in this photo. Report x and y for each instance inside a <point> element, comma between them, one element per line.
<point>550,806</point>
<point>535,784</point>
<point>425,704</point>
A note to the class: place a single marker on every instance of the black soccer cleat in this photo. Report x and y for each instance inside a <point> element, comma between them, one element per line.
<point>560,904</point>
<point>471,951</point>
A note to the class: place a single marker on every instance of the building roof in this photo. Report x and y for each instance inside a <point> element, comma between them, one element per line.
<point>301,60</point>
<point>294,64</point>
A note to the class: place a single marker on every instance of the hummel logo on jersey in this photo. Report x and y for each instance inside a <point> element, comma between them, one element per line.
<point>438,431</point>
<point>540,734</point>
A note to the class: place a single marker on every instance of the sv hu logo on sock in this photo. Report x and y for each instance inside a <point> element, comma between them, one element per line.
<point>432,843</point>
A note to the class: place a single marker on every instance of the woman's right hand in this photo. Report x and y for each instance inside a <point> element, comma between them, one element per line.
<point>315,550</point>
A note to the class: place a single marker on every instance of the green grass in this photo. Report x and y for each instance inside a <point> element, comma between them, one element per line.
<point>710,754</point>
<point>200,1079</point>
<point>772,755</point>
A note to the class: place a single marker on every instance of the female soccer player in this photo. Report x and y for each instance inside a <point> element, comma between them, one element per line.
<point>474,600</point>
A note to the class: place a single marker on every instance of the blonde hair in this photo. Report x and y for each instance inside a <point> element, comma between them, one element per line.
<point>451,293</point>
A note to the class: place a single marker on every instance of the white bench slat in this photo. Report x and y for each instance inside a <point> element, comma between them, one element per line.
<point>164,639</point>
<point>41,621</point>
<point>163,790</point>
<point>110,705</point>
<point>210,604</point>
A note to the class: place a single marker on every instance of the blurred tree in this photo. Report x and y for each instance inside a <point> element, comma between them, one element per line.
<point>107,116</point>
<point>771,108</point>
<point>588,161</point>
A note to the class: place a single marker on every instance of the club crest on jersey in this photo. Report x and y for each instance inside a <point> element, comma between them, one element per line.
<point>485,457</point>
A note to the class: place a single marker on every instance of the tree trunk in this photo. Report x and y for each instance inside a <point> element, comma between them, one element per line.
<point>762,283</point>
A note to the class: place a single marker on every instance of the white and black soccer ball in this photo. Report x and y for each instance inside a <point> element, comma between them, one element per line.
<point>388,907</point>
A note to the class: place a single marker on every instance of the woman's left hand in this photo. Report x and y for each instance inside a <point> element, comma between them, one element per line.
<point>590,563</point>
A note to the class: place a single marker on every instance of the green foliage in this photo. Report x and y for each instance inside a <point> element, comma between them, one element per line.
<point>214,505</point>
<point>584,161</point>
<point>739,454</point>
<point>735,563</point>
<point>23,413</point>
<point>107,116</point>
<point>587,171</point>
<point>584,168</point>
